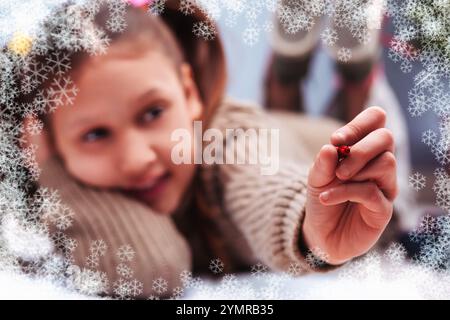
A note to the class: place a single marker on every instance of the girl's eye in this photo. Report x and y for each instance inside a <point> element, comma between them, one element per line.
<point>95,135</point>
<point>151,114</point>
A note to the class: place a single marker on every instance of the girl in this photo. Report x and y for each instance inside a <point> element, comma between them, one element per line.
<point>110,157</point>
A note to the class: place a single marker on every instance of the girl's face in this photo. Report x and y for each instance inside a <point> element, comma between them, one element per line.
<point>117,134</point>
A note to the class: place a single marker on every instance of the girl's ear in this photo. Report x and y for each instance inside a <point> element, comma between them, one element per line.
<point>192,95</point>
<point>41,140</point>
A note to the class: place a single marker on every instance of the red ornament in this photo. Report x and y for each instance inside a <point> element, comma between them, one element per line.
<point>343,152</point>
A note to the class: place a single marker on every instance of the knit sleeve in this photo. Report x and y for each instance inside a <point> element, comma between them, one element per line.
<point>267,209</point>
<point>140,251</point>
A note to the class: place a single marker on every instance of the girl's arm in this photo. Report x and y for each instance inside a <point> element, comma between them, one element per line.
<point>125,226</point>
<point>268,210</point>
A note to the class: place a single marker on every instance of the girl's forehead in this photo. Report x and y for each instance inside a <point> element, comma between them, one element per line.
<point>126,69</point>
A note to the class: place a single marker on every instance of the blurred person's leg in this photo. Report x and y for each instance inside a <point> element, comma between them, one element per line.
<point>357,71</point>
<point>292,52</point>
<point>292,55</point>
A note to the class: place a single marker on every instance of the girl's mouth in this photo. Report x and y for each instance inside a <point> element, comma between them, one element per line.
<point>153,191</point>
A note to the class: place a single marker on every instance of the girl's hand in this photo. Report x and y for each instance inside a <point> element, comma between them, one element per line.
<point>349,203</point>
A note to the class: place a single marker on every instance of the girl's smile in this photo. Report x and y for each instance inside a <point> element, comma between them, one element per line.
<point>151,190</point>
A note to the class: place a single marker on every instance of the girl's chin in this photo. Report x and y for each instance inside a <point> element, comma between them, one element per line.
<point>162,206</point>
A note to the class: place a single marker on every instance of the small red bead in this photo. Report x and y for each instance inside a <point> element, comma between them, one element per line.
<point>343,152</point>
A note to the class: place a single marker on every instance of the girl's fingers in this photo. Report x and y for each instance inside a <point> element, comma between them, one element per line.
<point>367,121</point>
<point>382,170</point>
<point>365,193</point>
<point>375,143</point>
<point>323,169</point>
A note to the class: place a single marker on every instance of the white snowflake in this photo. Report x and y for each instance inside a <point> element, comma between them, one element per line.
<point>35,126</point>
<point>204,30</point>
<point>92,261</point>
<point>89,282</point>
<point>58,62</point>
<point>441,154</point>
<point>98,247</point>
<point>124,271</point>
<point>428,225</point>
<point>187,7</point>
<point>231,19</point>
<point>344,54</point>
<point>186,277</point>
<point>253,12</point>
<point>135,288</point>
<point>418,102</point>
<point>268,27</point>
<point>116,24</point>
<point>429,137</point>
<point>157,7</point>
<point>62,91</point>
<point>251,35</point>
<point>63,217</point>
<point>258,269</point>
<point>295,269</point>
<point>70,244</point>
<point>211,9</point>
<point>316,258</point>
<point>417,181</point>
<point>401,50</point>
<point>177,293</point>
<point>329,37</point>
<point>95,41</point>
<point>229,283</point>
<point>406,66</point>
<point>159,285</point>
<point>443,200</point>
<point>125,253</point>
<point>34,74</point>
<point>216,266</point>
<point>122,289</point>
<point>396,253</point>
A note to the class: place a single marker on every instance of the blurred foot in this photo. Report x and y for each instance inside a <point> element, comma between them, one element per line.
<point>282,84</point>
<point>352,95</point>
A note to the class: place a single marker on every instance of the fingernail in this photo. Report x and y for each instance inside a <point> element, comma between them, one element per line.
<point>325,196</point>
<point>340,136</point>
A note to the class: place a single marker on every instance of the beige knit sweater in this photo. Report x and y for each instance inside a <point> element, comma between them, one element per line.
<point>256,218</point>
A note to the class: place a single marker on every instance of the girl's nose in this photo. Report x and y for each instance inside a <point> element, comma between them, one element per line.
<point>137,155</point>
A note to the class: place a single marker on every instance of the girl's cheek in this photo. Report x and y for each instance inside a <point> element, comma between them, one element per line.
<point>97,173</point>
